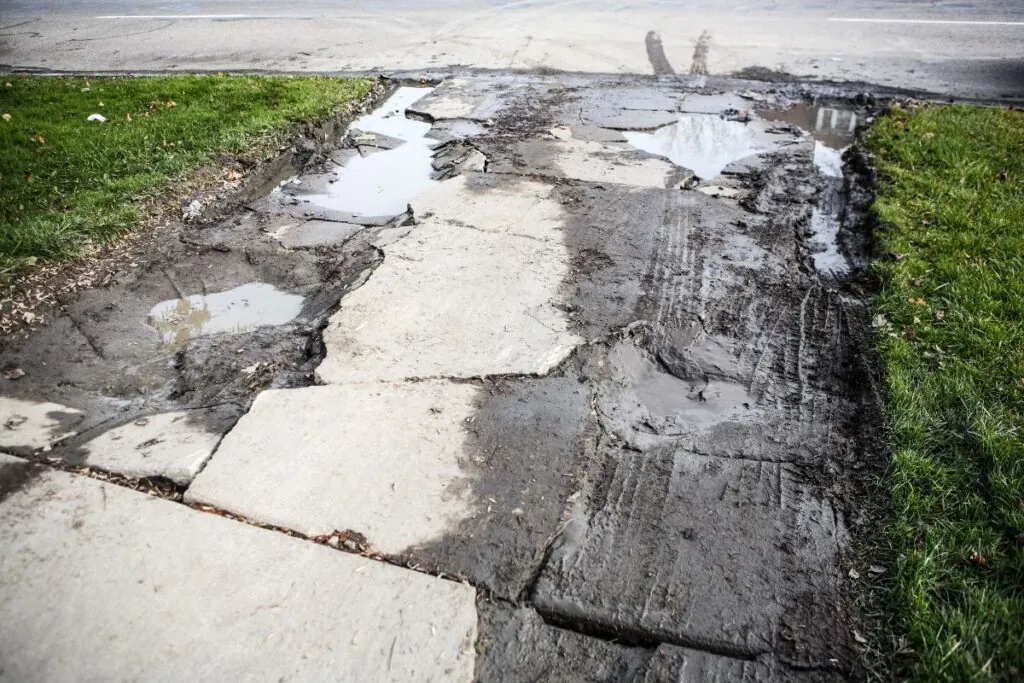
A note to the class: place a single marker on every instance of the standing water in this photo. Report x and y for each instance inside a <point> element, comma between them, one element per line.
<point>237,310</point>
<point>381,183</point>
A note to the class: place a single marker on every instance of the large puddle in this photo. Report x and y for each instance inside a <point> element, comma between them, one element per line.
<point>706,143</point>
<point>237,310</point>
<point>392,168</point>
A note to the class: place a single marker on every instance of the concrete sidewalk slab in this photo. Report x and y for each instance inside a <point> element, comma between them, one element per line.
<point>459,300</point>
<point>105,583</point>
<point>173,445</point>
<point>27,426</point>
<point>381,460</point>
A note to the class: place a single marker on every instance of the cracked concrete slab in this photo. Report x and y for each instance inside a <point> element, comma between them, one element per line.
<point>172,445</point>
<point>292,462</point>
<point>740,532</point>
<point>105,583</point>
<point>31,425</point>
<point>455,299</point>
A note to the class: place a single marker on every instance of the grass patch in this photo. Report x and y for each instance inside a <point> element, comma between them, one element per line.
<point>67,182</point>
<point>950,321</point>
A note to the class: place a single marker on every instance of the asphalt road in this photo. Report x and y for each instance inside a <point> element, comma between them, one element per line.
<point>962,48</point>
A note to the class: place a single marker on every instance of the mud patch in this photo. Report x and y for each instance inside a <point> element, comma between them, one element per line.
<point>516,645</point>
<point>524,450</point>
<point>741,530</point>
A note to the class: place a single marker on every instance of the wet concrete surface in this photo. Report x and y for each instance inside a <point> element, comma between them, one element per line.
<point>653,392</point>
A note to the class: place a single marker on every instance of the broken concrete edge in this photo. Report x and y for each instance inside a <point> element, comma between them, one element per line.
<point>766,80</point>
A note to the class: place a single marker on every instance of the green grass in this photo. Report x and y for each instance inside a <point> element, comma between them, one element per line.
<point>67,182</point>
<point>950,321</point>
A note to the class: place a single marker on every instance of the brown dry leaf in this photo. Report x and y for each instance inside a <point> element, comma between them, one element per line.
<point>909,333</point>
<point>234,175</point>
<point>1004,176</point>
<point>40,139</point>
<point>170,104</point>
<point>16,373</point>
<point>979,559</point>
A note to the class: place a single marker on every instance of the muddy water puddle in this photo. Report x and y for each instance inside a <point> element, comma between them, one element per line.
<point>392,167</point>
<point>241,309</point>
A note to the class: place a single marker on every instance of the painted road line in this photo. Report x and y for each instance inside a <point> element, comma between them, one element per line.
<point>942,22</point>
<point>203,16</point>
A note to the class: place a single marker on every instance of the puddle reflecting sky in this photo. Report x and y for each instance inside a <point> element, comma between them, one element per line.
<point>829,125</point>
<point>705,143</point>
<point>383,183</point>
<point>237,310</point>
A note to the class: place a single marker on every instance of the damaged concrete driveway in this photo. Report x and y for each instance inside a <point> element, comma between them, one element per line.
<point>572,375</point>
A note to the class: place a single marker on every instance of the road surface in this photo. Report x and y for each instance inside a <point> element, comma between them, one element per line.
<point>966,48</point>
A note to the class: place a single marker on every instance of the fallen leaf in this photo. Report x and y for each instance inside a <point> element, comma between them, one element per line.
<point>171,103</point>
<point>1004,176</point>
<point>128,117</point>
<point>979,559</point>
<point>918,302</point>
<point>6,117</point>
<point>854,574</point>
<point>908,333</point>
<point>40,139</point>
<point>859,638</point>
<point>101,103</point>
<point>16,373</point>
<point>876,569</point>
<point>234,175</point>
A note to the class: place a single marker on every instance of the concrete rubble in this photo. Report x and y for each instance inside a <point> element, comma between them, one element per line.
<point>589,392</point>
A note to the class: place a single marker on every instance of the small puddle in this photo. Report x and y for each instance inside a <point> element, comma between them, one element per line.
<point>237,310</point>
<point>831,126</point>
<point>394,168</point>
<point>705,143</point>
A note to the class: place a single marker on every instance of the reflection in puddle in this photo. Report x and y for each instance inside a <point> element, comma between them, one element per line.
<point>706,144</point>
<point>384,182</point>
<point>236,310</point>
<point>827,217</point>
<point>829,125</point>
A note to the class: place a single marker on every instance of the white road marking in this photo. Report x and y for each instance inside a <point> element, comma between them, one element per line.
<point>943,22</point>
<point>204,16</point>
